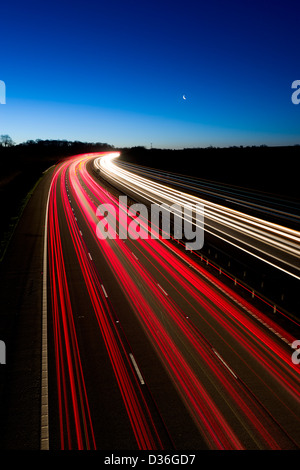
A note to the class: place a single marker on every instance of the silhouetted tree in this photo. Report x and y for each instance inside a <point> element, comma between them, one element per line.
<point>6,141</point>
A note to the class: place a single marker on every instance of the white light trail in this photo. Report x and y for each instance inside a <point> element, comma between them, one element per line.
<point>275,244</point>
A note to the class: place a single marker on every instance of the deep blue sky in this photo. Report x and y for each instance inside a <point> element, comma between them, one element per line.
<point>116,72</point>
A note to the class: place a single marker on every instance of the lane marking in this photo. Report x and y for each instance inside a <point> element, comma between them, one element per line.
<point>162,289</point>
<point>136,369</point>
<point>90,256</point>
<point>44,442</point>
<point>104,291</point>
<point>223,362</point>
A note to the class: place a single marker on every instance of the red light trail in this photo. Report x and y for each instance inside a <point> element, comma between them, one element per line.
<point>217,354</point>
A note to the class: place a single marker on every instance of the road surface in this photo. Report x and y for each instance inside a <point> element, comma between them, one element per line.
<point>136,345</point>
<point>146,349</point>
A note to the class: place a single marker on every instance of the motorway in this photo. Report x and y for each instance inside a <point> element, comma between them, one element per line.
<point>145,349</point>
<point>268,206</point>
<point>272,243</point>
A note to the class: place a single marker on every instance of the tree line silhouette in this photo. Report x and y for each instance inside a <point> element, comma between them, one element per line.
<point>37,155</point>
<point>266,168</point>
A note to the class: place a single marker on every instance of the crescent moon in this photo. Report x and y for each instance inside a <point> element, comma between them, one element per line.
<point>184,97</point>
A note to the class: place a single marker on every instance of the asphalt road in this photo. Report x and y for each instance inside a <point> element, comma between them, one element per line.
<point>273,243</point>
<point>146,349</point>
<point>285,210</point>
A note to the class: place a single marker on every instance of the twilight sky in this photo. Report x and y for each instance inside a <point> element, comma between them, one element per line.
<point>116,72</point>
